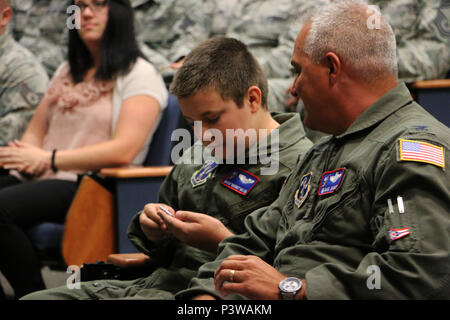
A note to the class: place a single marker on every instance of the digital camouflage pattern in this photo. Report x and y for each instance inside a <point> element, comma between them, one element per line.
<point>264,26</point>
<point>422,31</point>
<point>170,29</point>
<point>23,82</point>
<point>41,27</point>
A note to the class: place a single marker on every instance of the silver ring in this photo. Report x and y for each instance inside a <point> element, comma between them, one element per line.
<point>232,275</point>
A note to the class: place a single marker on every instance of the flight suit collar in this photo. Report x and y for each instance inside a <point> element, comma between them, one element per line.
<point>381,109</point>
<point>290,132</point>
<point>5,39</point>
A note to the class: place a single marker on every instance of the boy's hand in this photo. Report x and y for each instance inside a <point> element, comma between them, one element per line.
<point>196,229</point>
<point>152,225</point>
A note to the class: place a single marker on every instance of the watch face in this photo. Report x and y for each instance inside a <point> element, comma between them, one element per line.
<point>290,284</point>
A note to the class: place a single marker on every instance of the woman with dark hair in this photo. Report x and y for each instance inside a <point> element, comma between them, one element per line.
<point>101,110</point>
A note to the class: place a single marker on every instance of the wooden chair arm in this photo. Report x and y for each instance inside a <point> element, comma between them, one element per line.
<point>128,260</point>
<point>136,172</point>
<point>431,84</point>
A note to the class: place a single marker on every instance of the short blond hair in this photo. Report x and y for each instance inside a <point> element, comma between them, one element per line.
<point>223,64</point>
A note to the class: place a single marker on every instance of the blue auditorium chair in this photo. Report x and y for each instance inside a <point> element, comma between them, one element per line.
<point>134,187</point>
<point>434,96</point>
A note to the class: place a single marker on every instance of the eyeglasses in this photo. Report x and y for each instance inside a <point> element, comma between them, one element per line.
<point>95,5</point>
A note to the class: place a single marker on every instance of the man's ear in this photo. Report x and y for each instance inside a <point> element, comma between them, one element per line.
<point>254,98</point>
<point>5,16</point>
<point>334,65</point>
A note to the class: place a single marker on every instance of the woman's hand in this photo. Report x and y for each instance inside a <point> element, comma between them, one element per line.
<point>25,158</point>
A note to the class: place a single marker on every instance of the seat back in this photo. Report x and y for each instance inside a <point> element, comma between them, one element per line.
<point>433,96</point>
<point>161,145</point>
<point>47,238</point>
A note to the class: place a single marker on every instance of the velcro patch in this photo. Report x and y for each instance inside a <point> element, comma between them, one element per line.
<point>395,234</point>
<point>302,192</point>
<point>330,181</point>
<point>240,181</point>
<point>419,151</point>
<point>200,176</point>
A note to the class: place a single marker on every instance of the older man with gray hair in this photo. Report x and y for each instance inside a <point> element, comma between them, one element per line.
<point>365,214</point>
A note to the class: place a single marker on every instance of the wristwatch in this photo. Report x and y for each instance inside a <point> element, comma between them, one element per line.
<point>289,287</point>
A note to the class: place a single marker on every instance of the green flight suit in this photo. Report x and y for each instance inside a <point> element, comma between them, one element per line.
<point>179,262</point>
<point>338,222</point>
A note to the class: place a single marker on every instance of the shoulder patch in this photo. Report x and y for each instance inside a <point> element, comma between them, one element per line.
<point>200,176</point>
<point>302,192</point>
<point>412,150</point>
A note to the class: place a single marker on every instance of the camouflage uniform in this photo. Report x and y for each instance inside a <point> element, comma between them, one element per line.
<point>23,82</point>
<point>264,26</point>
<point>40,26</point>
<point>170,29</point>
<point>166,30</point>
<point>423,36</point>
<point>423,44</point>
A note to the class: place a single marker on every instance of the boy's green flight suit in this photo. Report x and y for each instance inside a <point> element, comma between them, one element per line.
<point>213,192</point>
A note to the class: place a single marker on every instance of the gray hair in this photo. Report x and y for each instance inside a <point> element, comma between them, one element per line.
<point>358,34</point>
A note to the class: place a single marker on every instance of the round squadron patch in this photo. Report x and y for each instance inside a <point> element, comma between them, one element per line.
<point>302,193</point>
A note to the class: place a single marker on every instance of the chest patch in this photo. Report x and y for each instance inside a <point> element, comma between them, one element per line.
<point>240,181</point>
<point>200,176</point>
<point>330,181</point>
<point>302,193</point>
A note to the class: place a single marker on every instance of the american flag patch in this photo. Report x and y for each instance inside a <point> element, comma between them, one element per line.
<point>395,234</point>
<point>422,152</point>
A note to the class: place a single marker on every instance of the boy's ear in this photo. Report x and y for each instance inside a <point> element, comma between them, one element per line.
<point>254,98</point>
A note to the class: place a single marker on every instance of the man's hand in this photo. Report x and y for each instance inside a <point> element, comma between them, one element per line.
<point>252,278</point>
<point>196,229</point>
<point>152,225</point>
<point>204,297</point>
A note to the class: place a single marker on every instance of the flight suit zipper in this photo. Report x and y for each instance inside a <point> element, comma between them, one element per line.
<point>328,211</point>
<point>206,198</point>
<point>309,214</point>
